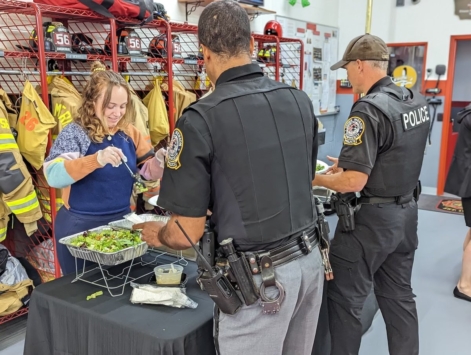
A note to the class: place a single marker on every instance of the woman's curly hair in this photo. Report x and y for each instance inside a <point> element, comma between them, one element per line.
<point>101,78</point>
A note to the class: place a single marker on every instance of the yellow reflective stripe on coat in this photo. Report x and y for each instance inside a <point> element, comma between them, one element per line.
<point>7,141</point>
<point>3,234</point>
<point>47,208</point>
<point>25,204</point>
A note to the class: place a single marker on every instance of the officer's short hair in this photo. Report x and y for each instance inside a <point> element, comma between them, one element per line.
<point>379,64</point>
<point>224,27</point>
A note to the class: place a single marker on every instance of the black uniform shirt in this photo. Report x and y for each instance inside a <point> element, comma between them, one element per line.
<point>187,191</point>
<point>367,133</point>
<point>196,179</point>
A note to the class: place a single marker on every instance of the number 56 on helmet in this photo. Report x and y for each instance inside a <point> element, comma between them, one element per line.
<point>129,42</point>
<point>56,38</point>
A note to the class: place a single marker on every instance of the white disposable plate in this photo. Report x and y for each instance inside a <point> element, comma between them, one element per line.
<point>325,165</point>
<point>153,200</point>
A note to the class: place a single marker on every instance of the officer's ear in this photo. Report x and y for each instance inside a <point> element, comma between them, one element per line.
<point>252,44</point>
<point>359,65</point>
<point>206,52</point>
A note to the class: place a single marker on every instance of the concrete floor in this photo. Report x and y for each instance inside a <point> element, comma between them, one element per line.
<point>445,322</point>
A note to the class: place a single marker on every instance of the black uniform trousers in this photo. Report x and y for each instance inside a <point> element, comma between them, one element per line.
<point>380,253</point>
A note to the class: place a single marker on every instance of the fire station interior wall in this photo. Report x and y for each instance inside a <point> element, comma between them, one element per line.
<point>432,21</point>
<point>352,22</point>
<point>324,12</point>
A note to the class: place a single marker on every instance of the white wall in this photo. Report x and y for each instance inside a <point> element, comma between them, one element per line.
<point>324,12</point>
<point>432,21</point>
<point>352,22</point>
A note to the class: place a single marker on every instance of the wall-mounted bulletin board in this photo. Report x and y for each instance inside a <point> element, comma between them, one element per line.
<point>320,52</point>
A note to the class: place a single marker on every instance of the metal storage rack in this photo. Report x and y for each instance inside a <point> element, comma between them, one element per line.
<point>19,62</point>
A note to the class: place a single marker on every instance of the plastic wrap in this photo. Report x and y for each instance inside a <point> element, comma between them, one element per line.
<point>14,272</point>
<point>166,296</point>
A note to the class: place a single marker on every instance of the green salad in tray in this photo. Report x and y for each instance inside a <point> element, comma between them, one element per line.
<point>107,241</point>
<point>319,167</point>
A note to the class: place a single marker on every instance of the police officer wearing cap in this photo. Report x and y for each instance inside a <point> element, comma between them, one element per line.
<point>248,153</point>
<point>381,158</point>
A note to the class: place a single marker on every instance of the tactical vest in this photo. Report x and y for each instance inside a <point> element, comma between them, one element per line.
<point>261,133</point>
<point>397,170</point>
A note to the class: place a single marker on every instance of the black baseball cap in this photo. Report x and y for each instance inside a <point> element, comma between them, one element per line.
<point>364,47</point>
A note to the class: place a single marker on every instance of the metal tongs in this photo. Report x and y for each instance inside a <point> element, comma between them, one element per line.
<point>139,183</point>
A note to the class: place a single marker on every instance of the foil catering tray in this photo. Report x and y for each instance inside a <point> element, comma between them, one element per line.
<point>115,258</point>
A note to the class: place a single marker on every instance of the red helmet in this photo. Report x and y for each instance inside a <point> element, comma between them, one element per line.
<point>273,28</point>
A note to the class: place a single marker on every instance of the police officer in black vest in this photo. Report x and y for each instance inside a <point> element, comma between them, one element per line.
<point>374,243</point>
<point>247,152</point>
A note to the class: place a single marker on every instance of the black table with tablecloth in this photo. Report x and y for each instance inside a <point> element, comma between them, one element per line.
<point>62,322</point>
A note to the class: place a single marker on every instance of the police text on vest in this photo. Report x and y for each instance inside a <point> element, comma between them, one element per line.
<point>415,118</point>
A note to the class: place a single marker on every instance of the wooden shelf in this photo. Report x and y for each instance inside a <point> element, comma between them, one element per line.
<point>194,2</point>
<point>256,10</point>
<point>252,11</point>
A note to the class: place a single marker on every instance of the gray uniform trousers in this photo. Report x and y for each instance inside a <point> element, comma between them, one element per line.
<point>380,253</point>
<point>289,332</point>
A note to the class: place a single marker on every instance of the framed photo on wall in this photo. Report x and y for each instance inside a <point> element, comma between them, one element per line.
<point>407,64</point>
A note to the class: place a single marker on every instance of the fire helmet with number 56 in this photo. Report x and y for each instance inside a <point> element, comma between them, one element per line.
<point>129,42</point>
<point>56,38</point>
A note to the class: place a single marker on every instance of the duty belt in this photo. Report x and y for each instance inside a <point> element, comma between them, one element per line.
<point>281,255</point>
<point>363,200</point>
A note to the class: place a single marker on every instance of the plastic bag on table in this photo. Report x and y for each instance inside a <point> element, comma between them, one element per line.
<point>166,296</point>
<point>14,271</point>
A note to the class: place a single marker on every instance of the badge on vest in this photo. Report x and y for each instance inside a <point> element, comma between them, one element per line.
<point>175,149</point>
<point>353,130</point>
<point>415,118</point>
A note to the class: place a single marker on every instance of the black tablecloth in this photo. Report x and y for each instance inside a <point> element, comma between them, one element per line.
<point>62,322</point>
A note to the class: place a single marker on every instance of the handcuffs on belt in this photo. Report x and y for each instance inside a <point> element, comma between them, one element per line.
<point>323,231</point>
<point>240,267</point>
<point>273,305</point>
<point>270,305</point>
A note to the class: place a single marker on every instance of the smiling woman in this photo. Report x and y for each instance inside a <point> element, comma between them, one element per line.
<point>105,107</point>
<point>86,160</point>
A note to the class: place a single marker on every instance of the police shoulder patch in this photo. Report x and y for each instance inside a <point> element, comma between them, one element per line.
<point>174,150</point>
<point>353,130</point>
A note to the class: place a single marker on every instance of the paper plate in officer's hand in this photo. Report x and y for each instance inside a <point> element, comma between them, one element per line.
<point>321,167</point>
<point>153,201</point>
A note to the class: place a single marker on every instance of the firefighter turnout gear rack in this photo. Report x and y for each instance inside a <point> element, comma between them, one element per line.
<point>45,57</point>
